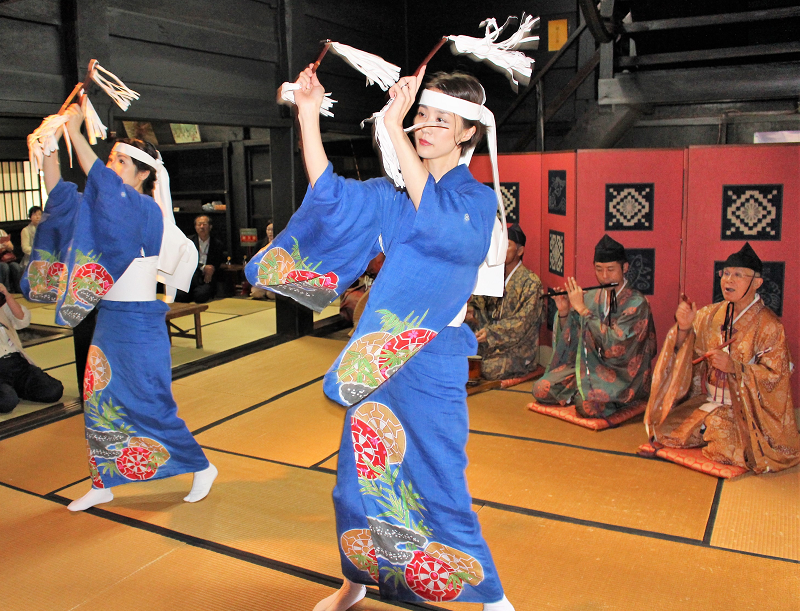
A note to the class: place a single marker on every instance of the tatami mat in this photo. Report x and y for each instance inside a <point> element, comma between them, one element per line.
<point>761,514</point>
<point>266,374</point>
<point>53,353</point>
<point>621,490</point>
<point>239,307</point>
<point>504,412</point>
<point>199,409</point>
<point>76,562</point>
<point>278,512</point>
<point>302,428</point>
<point>555,565</point>
<point>47,458</point>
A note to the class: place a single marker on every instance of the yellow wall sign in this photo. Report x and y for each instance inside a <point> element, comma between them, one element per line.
<point>556,34</point>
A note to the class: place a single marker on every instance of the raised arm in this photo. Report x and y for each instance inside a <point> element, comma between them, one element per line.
<point>308,100</point>
<point>415,174</point>
<point>82,148</point>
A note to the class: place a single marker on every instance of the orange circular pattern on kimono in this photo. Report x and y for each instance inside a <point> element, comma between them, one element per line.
<point>598,395</point>
<point>134,463</point>
<point>634,364</point>
<point>383,421</point>
<point>461,562</point>
<point>160,454</point>
<point>402,347</point>
<point>357,546</point>
<point>605,373</point>
<point>368,448</point>
<point>361,358</point>
<point>37,276</point>
<point>541,389</point>
<point>98,372</point>
<point>429,578</point>
<point>275,267</point>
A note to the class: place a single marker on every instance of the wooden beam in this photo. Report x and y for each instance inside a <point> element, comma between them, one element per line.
<point>710,20</point>
<point>681,57</point>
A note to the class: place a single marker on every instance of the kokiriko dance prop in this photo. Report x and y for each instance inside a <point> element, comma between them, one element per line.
<point>376,69</point>
<point>43,140</point>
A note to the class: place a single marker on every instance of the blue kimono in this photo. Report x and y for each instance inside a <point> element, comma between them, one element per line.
<point>403,511</point>
<point>133,432</point>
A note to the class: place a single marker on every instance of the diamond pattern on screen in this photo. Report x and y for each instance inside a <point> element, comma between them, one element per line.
<point>752,212</point>
<point>510,193</point>
<point>629,207</point>
<point>556,253</point>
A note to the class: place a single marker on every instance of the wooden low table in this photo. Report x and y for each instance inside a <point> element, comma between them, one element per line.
<point>176,310</point>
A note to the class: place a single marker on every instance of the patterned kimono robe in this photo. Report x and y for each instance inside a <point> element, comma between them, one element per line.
<point>403,511</point>
<point>753,424</point>
<point>601,361</point>
<point>81,249</point>
<point>512,326</point>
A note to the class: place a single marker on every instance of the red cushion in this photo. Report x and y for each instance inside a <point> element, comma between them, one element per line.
<point>694,459</point>
<point>596,424</point>
<point>536,373</point>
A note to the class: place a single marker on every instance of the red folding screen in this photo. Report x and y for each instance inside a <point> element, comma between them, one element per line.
<point>636,197</point>
<point>746,193</point>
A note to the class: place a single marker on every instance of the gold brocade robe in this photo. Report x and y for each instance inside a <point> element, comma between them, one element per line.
<point>758,430</point>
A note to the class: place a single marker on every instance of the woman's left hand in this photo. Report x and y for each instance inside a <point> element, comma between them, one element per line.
<point>404,94</point>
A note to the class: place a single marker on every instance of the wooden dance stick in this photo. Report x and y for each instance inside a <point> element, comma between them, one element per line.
<point>84,85</point>
<point>708,354</point>
<point>326,44</point>
<point>551,293</point>
<point>430,55</point>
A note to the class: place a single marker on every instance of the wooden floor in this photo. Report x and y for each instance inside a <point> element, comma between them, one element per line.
<point>575,519</point>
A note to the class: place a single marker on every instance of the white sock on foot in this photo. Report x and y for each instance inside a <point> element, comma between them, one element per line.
<point>201,485</point>
<point>501,605</point>
<point>95,496</point>
<point>344,598</point>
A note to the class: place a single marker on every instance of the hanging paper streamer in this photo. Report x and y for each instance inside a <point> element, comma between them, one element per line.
<point>504,56</point>
<point>42,142</point>
<point>377,70</point>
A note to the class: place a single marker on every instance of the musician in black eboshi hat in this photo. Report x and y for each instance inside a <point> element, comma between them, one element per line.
<point>603,341</point>
<point>741,413</point>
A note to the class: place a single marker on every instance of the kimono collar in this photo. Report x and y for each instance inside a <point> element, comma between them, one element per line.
<point>491,276</point>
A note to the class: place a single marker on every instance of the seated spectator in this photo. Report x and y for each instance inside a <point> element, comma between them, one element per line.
<point>608,333</point>
<point>28,233</point>
<point>507,328</point>
<point>255,292</point>
<point>19,377</point>
<point>360,289</point>
<point>203,287</point>
<point>735,403</point>
<point>10,269</point>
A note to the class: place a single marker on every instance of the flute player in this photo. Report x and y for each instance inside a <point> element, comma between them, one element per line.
<point>608,334</point>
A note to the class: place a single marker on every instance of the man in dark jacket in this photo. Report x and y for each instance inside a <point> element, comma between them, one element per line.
<point>209,249</point>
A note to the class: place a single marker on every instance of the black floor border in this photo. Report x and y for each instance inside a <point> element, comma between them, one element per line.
<point>622,529</point>
<point>75,483</point>
<point>712,514</point>
<point>202,429</point>
<point>557,443</point>
<point>324,460</point>
<point>57,366</point>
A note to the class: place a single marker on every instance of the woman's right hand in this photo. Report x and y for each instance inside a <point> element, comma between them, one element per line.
<point>309,96</point>
<point>75,118</point>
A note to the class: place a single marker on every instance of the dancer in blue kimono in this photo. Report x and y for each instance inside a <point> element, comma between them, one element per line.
<point>106,248</point>
<point>403,511</point>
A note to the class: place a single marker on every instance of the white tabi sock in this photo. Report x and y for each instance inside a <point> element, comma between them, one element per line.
<point>344,598</point>
<point>201,485</point>
<point>95,496</point>
<point>501,605</point>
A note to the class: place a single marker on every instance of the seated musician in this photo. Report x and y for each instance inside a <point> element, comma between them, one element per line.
<point>607,334</point>
<point>736,402</point>
<point>507,328</point>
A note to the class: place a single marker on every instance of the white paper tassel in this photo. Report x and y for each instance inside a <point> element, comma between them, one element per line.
<point>502,56</point>
<point>94,126</point>
<point>115,88</point>
<point>287,95</point>
<point>376,69</point>
<point>391,164</point>
<point>42,142</point>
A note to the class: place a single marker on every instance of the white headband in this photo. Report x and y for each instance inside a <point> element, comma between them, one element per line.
<point>161,192</point>
<point>477,112</point>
